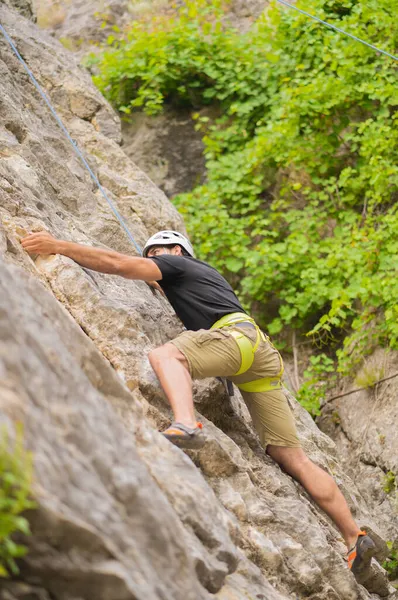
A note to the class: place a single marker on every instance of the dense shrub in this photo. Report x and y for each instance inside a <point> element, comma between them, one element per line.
<point>15,486</point>
<point>300,205</point>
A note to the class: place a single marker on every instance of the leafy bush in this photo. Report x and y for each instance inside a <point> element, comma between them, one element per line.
<point>391,563</point>
<point>390,484</point>
<point>15,485</point>
<point>299,210</point>
<point>317,378</point>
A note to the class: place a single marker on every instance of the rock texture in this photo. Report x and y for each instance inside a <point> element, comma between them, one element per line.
<point>167,148</point>
<point>81,23</point>
<point>364,427</point>
<point>243,13</point>
<point>25,7</point>
<point>121,513</point>
<point>104,529</point>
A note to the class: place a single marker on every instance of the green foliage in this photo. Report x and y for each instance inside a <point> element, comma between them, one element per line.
<point>299,210</point>
<point>15,485</point>
<point>319,376</point>
<point>391,563</point>
<point>390,483</point>
<point>168,59</point>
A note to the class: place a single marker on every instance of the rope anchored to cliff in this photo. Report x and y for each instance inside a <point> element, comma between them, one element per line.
<point>71,140</point>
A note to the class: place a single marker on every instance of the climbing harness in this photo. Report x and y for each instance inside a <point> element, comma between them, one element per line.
<point>247,351</point>
<point>354,37</point>
<point>71,140</point>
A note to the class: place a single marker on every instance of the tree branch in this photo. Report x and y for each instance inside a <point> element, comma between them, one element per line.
<point>360,389</point>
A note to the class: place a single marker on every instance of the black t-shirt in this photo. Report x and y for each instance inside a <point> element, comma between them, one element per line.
<point>197,292</point>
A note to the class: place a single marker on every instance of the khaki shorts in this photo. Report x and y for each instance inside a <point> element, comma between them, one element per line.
<point>215,353</point>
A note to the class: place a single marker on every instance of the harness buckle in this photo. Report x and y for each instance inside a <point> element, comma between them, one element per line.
<point>247,352</point>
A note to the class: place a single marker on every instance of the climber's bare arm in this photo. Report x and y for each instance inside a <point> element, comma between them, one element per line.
<point>97,259</point>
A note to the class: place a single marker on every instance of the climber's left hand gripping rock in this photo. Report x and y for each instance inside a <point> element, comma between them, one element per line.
<point>40,243</point>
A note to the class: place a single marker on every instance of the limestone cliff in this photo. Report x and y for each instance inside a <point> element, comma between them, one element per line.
<point>122,514</point>
<point>364,426</point>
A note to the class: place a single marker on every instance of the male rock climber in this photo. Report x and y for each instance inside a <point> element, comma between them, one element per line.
<point>220,340</point>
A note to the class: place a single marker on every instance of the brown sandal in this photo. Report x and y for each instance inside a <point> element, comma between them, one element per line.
<point>184,437</point>
<point>360,556</point>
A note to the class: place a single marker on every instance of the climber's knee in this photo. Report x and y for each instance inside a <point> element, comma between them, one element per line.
<point>163,354</point>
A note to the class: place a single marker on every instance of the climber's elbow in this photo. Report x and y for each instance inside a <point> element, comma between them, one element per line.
<point>138,268</point>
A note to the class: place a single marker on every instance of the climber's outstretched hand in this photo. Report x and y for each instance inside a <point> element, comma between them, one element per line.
<point>40,243</point>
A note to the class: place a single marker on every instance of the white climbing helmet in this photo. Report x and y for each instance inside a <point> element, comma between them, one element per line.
<point>168,238</point>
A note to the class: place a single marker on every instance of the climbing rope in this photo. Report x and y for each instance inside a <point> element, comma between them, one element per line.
<point>71,140</point>
<point>354,37</point>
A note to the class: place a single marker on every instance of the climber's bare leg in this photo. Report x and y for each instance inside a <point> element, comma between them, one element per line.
<point>171,368</point>
<point>320,486</point>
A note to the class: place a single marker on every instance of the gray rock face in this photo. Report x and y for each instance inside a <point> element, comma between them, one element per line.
<point>122,514</point>
<point>364,427</point>
<point>243,13</point>
<point>167,148</point>
<point>80,23</point>
<point>25,7</point>
<point>105,528</point>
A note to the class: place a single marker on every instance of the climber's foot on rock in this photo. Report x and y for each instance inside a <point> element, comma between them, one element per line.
<point>360,556</point>
<point>185,437</point>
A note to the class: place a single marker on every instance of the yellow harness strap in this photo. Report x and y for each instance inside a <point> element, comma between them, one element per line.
<point>247,351</point>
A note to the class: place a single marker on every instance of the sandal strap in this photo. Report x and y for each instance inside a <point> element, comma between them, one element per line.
<point>360,534</point>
